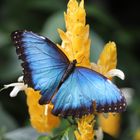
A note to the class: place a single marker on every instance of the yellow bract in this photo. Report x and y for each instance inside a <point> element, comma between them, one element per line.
<point>107,59</point>
<point>40,121</point>
<point>75,41</point>
<point>85,128</point>
<point>111,124</point>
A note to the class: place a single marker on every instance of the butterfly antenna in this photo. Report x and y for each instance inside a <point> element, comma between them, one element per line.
<point>81,59</point>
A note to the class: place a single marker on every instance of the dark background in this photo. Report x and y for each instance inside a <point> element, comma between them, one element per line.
<point>109,20</point>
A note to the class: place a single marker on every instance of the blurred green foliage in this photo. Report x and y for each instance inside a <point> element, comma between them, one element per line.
<point>108,22</point>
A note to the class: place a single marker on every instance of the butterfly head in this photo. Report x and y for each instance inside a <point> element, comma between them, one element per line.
<point>74,61</point>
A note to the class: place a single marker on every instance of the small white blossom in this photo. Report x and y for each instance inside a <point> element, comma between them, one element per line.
<point>99,134</point>
<point>17,87</point>
<point>128,94</point>
<point>116,72</point>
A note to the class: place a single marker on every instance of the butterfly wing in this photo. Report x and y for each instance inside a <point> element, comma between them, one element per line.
<point>82,89</point>
<point>43,62</point>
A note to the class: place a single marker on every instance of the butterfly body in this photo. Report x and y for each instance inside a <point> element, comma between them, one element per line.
<point>66,74</point>
<point>68,71</point>
<point>71,89</point>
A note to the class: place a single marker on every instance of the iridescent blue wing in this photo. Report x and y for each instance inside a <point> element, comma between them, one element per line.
<point>82,89</point>
<point>43,62</point>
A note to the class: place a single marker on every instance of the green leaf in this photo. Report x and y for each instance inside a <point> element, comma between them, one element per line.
<point>66,135</point>
<point>69,134</point>
<point>52,24</point>
<point>62,127</point>
<point>64,132</point>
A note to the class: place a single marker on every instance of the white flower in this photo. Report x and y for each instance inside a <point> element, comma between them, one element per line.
<point>128,94</point>
<point>17,87</point>
<point>115,72</point>
<point>99,134</point>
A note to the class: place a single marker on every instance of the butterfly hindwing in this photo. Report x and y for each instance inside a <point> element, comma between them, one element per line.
<point>43,62</point>
<point>82,89</point>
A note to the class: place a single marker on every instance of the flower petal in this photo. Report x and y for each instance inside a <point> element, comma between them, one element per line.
<point>75,41</point>
<point>99,134</point>
<point>15,91</point>
<point>108,58</point>
<point>20,79</point>
<point>41,117</point>
<point>128,94</point>
<point>115,72</point>
<point>107,124</point>
<point>85,128</point>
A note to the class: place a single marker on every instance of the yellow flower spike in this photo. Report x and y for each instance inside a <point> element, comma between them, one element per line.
<point>40,121</point>
<point>63,36</point>
<point>85,128</point>
<point>108,58</point>
<point>75,14</point>
<point>111,124</point>
<point>75,41</point>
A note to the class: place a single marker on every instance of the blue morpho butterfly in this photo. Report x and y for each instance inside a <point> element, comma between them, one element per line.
<point>72,89</point>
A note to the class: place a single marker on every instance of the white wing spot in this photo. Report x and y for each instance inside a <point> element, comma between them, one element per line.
<point>124,104</point>
<point>103,109</point>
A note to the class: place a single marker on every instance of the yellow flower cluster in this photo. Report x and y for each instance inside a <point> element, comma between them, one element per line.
<point>75,41</point>
<point>40,121</point>
<point>107,124</point>
<point>85,128</point>
<point>107,59</point>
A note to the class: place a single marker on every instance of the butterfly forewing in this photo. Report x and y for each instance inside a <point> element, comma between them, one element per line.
<point>43,62</point>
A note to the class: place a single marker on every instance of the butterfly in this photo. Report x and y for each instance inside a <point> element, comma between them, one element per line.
<point>73,90</point>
